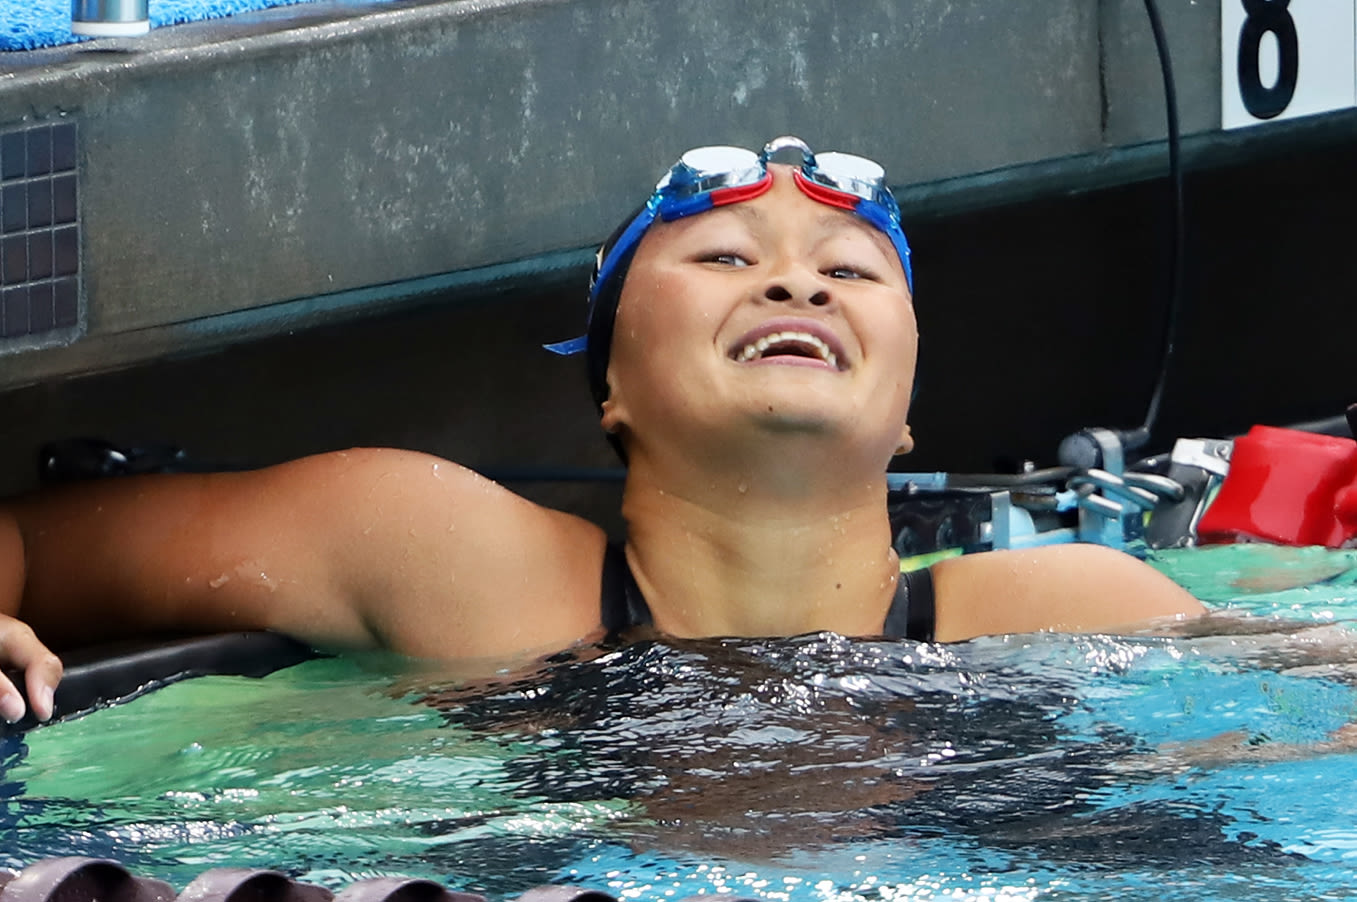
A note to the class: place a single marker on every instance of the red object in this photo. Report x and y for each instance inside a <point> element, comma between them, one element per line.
<point>1287,487</point>
<point>824,194</point>
<point>739,193</point>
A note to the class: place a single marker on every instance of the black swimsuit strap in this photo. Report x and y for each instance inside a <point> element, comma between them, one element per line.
<point>623,606</point>
<point>912,615</point>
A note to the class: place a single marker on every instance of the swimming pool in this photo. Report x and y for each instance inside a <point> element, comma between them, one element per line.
<point>815,768</point>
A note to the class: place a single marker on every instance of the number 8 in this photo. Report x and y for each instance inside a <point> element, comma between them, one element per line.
<point>1261,17</point>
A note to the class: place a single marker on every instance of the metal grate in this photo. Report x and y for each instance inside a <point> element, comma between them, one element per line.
<point>39,235</point>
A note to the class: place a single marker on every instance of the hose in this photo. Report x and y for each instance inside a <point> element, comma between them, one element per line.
<point>1177,245</point>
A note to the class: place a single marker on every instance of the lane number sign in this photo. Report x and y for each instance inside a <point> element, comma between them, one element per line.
<point>1285,58</point>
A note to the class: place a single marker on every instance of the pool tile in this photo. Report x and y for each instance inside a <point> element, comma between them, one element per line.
<point>41,308</point>
<point>40,255</point>
<point>66,251</point>
<point>13,155</point>
<point>39,151</point>
<point>63,198</point>
<point>14,207</point>
<point>63,147</point>
<point>14,312</point>
<point>13,260</point>
<point>66,303</point>
<point>39,204</point>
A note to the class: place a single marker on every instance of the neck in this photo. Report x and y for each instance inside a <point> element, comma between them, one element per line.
<point>754,552</point>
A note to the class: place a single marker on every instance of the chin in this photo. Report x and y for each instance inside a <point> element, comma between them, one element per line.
<point>793,418</point>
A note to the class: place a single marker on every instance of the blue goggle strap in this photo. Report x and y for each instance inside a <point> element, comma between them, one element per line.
<point>607,265</point>
<point>881,217</point>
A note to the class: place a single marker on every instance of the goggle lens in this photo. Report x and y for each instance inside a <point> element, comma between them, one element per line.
<point>705,162</point>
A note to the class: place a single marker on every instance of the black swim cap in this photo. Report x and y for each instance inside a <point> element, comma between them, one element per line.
<point>603,300</point>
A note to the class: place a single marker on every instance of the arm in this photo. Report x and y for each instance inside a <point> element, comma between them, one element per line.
<point>1071,588</point>
<point>357,549</point>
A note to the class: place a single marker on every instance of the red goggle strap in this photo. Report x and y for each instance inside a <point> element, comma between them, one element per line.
<point>739,193</point>
<point>825,194</point>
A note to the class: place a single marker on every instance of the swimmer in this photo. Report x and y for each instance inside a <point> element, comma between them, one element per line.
<point>752,348</point>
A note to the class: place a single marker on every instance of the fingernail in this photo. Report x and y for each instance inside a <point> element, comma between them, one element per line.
<point>44,702</point>
<point>12,707</point>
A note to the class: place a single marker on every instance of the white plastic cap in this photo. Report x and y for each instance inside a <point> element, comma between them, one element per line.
<point>110,29</point>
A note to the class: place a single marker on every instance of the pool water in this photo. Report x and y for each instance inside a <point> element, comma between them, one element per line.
<point>813,768</point>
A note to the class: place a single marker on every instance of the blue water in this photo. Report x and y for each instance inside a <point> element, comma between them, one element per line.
<point>816,768</point>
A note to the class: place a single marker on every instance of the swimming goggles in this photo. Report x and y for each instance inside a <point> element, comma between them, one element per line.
<point>708,177</point>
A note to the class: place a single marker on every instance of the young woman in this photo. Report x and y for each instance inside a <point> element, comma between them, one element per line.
<point>752,347</point>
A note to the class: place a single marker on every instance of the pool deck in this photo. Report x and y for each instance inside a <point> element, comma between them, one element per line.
<point>260,174</point>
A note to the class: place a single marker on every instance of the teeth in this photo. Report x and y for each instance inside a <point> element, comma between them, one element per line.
<point>805,339</point>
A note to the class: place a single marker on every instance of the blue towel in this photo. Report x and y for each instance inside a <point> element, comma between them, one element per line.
<point>26,24</point>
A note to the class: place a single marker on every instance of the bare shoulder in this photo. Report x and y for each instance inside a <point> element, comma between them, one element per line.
<point>442,562</point>
<point>1071,588</point>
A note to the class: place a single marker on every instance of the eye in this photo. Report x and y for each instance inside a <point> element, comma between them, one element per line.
<point>727,258</point>
<point>847,271</point>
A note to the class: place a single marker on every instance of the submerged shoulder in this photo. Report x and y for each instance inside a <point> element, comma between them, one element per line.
<point>1072,588</point>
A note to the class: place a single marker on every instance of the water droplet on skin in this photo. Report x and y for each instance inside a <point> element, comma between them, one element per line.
<point>742,488</point>
<point>219,581</point>
<point>437,475</point>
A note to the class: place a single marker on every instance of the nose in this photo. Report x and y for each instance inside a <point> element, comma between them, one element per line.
<point>796,284</point>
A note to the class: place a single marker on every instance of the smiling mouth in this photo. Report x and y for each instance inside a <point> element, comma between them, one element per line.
<point>788,344</point>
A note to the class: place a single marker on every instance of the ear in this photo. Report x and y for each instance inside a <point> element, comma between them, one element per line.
<point>610,419</point>
<point>906,441</point>
<point>614,409</point>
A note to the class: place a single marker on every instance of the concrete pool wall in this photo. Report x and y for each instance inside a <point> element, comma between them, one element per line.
<point>297,153</point>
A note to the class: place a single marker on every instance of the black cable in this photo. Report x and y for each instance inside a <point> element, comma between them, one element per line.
<point>1177,247</point>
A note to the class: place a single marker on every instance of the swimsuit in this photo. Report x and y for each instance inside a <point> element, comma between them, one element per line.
<point>910,615</point>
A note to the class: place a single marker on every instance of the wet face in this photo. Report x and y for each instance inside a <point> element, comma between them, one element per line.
<point>772,316</point>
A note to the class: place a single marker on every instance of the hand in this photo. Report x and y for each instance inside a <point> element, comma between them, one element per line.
<point>21,651</point>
